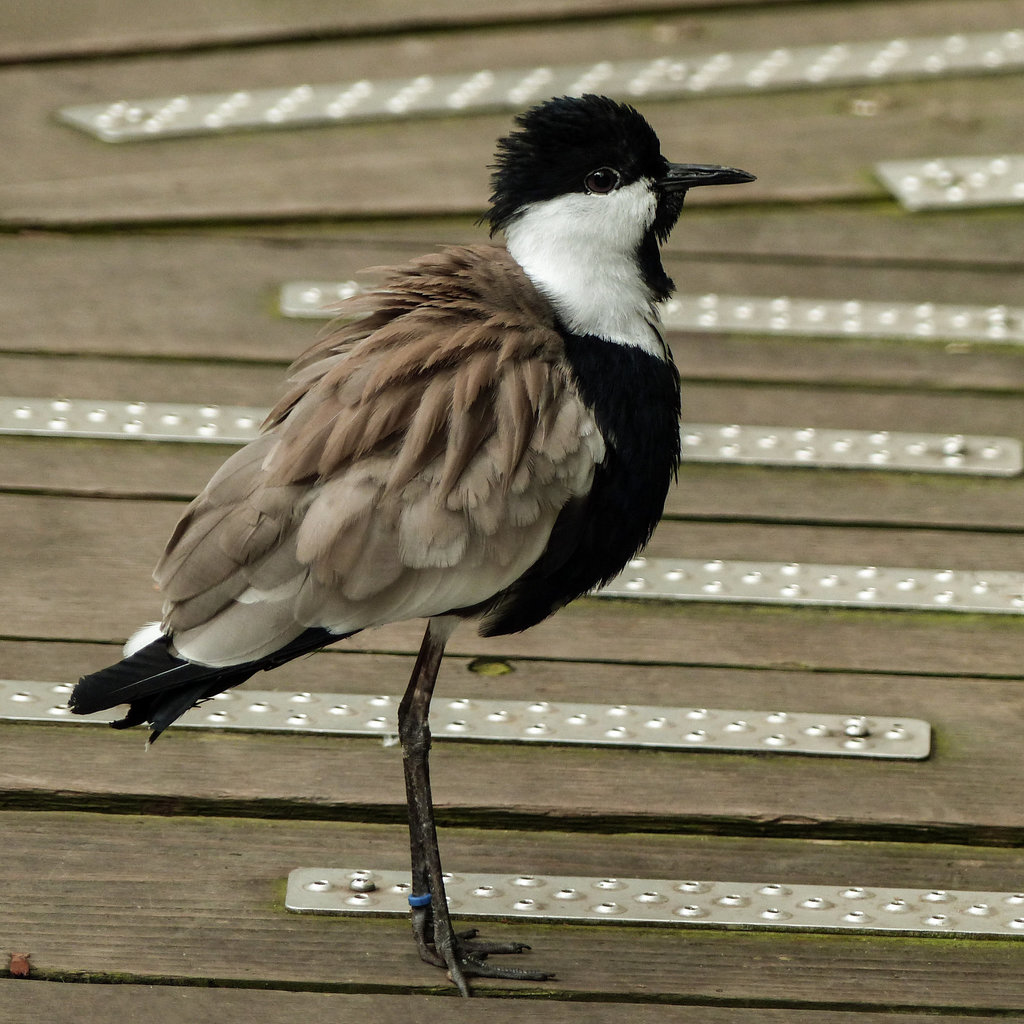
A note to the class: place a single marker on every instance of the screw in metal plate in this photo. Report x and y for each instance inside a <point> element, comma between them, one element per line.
<point>568,894</point>
<point>362,882</point>
<point>691,910</point>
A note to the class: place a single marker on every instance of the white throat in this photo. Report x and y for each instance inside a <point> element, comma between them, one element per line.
<point>580,251</point>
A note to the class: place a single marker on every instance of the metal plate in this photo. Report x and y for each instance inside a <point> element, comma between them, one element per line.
<point>701,442</point>
<point>748,71</point>
<point>806,583</point>
<point>314,299</point>
<point>518,721</point>
<point>942,183</point>
<point>134,421</point>
<point>773,315</point>
<point>669,902</point>
<point>852,449</point>
<point>847,318</point>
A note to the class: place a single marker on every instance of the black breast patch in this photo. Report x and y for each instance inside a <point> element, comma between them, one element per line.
<point>635,399</point>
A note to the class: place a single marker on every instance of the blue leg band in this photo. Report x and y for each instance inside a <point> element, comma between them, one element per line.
<point>420,901</point>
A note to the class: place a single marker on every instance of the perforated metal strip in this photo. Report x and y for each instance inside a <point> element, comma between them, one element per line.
<point>702,442</point>
<point>847,318</point>
<point>773,315</point>
<point>517,721</point>
<point>941,183</point>
<point>313,299</point>
<point>804,583</point>
<point>747,71</point>
<point>852,449</point>
<point>661,901</point>
<point>130,421</point>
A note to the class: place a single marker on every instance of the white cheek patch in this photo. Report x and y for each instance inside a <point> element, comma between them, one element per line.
<point>580,250</point>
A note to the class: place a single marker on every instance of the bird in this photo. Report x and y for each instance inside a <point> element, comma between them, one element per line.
<point>487,434</point>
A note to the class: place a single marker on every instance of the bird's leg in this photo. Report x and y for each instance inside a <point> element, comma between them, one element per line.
<point>414,732</point>
<point>436,939</point>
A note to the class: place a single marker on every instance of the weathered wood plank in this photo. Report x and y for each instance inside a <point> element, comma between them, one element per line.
<point>135,378</point>
<point>839,497</point>
<point>106,906</point>
<point>726,494</point>
<point>753,401</point>
<point>58,29</point>
<point>44,1002</point>
<point>949,797</point>
<point>63,30</point>
<point>64,178</point>
<point>922,548</point>
<point>868,364</point>
<point>97,588</point>
<point>436,168</point>
<point>209,297</point>
<point>858,234</point>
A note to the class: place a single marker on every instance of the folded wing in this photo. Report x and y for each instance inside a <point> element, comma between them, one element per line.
<point>417,467</point>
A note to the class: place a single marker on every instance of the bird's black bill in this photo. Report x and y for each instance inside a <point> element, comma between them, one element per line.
<point>681,177</point>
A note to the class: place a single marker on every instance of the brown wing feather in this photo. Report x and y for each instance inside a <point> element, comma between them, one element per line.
<point>416,466</point>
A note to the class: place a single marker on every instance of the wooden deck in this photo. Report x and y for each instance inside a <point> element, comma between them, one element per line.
<point>155,881</point>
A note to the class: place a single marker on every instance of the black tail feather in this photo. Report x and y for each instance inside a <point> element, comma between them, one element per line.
<point>148,672</point>
<point>160,687</point>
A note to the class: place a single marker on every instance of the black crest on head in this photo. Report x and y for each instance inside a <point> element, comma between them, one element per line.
<point>560,141</point>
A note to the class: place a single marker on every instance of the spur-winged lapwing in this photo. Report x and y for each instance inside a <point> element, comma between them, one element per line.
<point>487,435</point>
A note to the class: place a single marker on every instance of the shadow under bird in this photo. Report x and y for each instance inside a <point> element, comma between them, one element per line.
<point>491,437</point>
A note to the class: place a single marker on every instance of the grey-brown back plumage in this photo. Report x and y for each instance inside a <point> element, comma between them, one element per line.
<point>416,467</point>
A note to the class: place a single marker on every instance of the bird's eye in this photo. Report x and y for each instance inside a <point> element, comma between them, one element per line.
<point>602,181</point>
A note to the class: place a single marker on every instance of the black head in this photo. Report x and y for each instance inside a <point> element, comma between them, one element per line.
<point>567,145</point>
<point>590,144</point>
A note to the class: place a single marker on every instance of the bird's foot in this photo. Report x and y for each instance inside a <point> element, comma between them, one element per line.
<point>475,952</point>
<point>463,956</point>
